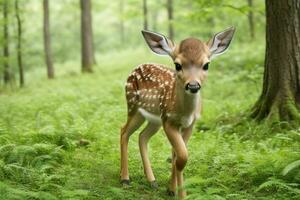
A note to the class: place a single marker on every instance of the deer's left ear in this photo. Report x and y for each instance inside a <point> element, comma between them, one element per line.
<point>158,43</point>
<point>220,42</point>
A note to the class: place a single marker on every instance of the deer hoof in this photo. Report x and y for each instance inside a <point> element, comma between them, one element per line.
<point>125,183</point>
<point>170,193</point>
<point>154,185</point>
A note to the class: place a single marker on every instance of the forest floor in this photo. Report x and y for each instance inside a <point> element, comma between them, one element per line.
<point>45,126</point>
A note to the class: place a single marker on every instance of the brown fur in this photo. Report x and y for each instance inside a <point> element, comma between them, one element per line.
<point>192,49</point>
<point>154,88</point>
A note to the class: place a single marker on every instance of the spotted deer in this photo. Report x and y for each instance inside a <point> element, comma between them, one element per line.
<point>168,98</point>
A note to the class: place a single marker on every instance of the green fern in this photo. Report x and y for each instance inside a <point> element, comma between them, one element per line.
<point>279,184</point>
<point>291,167</point>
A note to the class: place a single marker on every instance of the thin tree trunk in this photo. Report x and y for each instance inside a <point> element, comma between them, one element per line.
<point>170,18</point>
<point>280,98</point>
<point>19,45</point>
<point>154,20</point>
<point>87,47</point>
<point>47,41</point>
<point>7,75</point>
<point>145,9</point>
<point>122,29</point>
<point>251,19</point>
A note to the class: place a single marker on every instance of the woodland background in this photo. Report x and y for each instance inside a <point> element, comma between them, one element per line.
<point>59,138</point>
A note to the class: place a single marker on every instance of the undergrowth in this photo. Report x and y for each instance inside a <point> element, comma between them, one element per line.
<point>59,139</point>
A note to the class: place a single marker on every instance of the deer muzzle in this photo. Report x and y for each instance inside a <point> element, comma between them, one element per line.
<point>193,86</point>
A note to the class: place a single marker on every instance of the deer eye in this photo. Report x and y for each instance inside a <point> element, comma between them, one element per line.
<point>178,66</point>
<point>205,67</point>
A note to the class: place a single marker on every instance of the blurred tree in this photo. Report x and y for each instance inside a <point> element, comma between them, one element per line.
<point>280,98</point>
<point>87,47</point>
<point>251,19</point>
<point>145,11</point>
<point>47,41</point>
<point>19,44</point>
<point>170,18</point>
<point>7,72</point>
<point>158,8</point>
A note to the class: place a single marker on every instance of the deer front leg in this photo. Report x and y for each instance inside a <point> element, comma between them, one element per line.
<point>173,180</point>
<point>186,134</point>
<point>181,153</point>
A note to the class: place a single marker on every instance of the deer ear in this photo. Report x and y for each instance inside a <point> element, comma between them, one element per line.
<point>220,42</point>
<point>158,43</point>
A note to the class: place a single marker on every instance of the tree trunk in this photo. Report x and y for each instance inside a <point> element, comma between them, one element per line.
<point>6,72</point>
<point>122,29</point>
<point>47,41</point>
<point>87,48</point>
<point>280,98</point>
<point>19,45</point>
<point>170,18</point>
<point>145,9</point>
<point>251,19</point>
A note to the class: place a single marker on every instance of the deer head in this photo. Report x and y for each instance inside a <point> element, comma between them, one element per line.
<point>191,57</point>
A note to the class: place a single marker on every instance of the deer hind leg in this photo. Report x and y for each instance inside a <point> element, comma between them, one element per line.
<point>132,124</point>
<point>144,137</point>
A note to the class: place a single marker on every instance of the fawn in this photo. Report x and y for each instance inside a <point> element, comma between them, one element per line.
<point>168,98</point>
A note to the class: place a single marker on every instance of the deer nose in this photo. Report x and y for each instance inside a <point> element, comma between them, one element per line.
<point>193,86</point>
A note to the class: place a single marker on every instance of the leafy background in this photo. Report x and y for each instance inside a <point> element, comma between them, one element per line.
<point>59,139</point>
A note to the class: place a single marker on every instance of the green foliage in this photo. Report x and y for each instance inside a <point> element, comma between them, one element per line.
<point>292,166</point>
<point>43,125</point>
<point>205,17</point>
<point>191,18</point>
<point>231,157</point>
<point>280,186</point>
